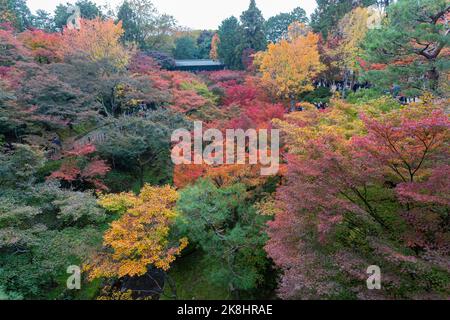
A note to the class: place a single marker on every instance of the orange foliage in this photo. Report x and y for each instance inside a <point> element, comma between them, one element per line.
<point>98,40</point>
<point>43,46</point>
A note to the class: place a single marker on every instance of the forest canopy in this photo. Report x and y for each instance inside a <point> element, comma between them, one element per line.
<point>358,93</point>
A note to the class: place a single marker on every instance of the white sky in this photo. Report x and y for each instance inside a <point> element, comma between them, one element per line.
<point>198,14</point>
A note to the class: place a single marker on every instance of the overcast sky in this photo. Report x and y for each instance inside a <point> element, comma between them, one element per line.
<point>199,14</point>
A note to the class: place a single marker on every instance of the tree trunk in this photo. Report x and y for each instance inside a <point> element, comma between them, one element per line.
<point>434,79</point>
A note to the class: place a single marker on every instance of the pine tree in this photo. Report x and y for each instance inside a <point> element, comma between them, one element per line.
<point>229,48</point>
<point>254,36</point>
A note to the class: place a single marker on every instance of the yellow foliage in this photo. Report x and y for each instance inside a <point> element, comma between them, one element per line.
<point>301,127</point>
<point>97,39</point>
<point>140,237</point>
<point>351,31</point>
<point>214,53</point>
<point>289,67</point>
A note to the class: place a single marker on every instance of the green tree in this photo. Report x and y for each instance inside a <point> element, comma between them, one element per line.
<point>88,9</point>
<point>277,26</point>
<point>15,12</point>
<point>145,26</point>
<point>253,35</point>
<point>204,42</point>
<point>411,47</point>
<point>141,145</point>
<point>229,48</point>
<point>43,20</point>
<point>186,48</point>
<point>329,12</point>
<point>129,23</point>
<point>43,229</point>
<point>229,232</point>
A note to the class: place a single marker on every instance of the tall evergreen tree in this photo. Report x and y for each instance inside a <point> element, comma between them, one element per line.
<point>128,18</point>
<point>145,26</point>
<point>229,48</point>
<point>253,36</point>
<point>204,41</point>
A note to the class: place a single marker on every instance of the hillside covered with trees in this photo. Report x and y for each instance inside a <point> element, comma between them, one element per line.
<point>359,92</point>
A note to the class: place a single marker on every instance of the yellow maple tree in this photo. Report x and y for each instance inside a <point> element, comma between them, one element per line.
<point>98,40</point>
<point>289,67</point>
<point>140,238</point>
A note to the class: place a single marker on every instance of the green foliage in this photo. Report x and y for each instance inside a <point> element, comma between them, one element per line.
<point>191,282</point>
<point>186,48</point>
<point>329,12</point>
<point>43,20</point>
<point>229,49</point>
<point>204,41</point>
<point>202,89</point>
<point>43,229</point>
<point>410,46</point>
<point>145,26</point>
<point>9,295</point>
<point>277,26</point>
<point>229,232</point>
<point>320,94</point>
<point>88,10</point>
<point>253,29</point>
<point>15,12</point>
<point>129,23</point>
<point>133,144</point>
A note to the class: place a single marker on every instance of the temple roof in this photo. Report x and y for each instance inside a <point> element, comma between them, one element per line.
<point>197,63</point>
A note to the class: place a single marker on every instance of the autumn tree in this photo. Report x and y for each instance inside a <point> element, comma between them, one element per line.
<point>344,44</point>
<point>352,197</point>
<point>97,40</point>
<point>51,102</point>
<point>140,237</point>
<point>329,12</point>
<point>81,170</point>
<point>214,53</point>
<point>43,46</point>
<point>289,67</point>
<point>412,46</point>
